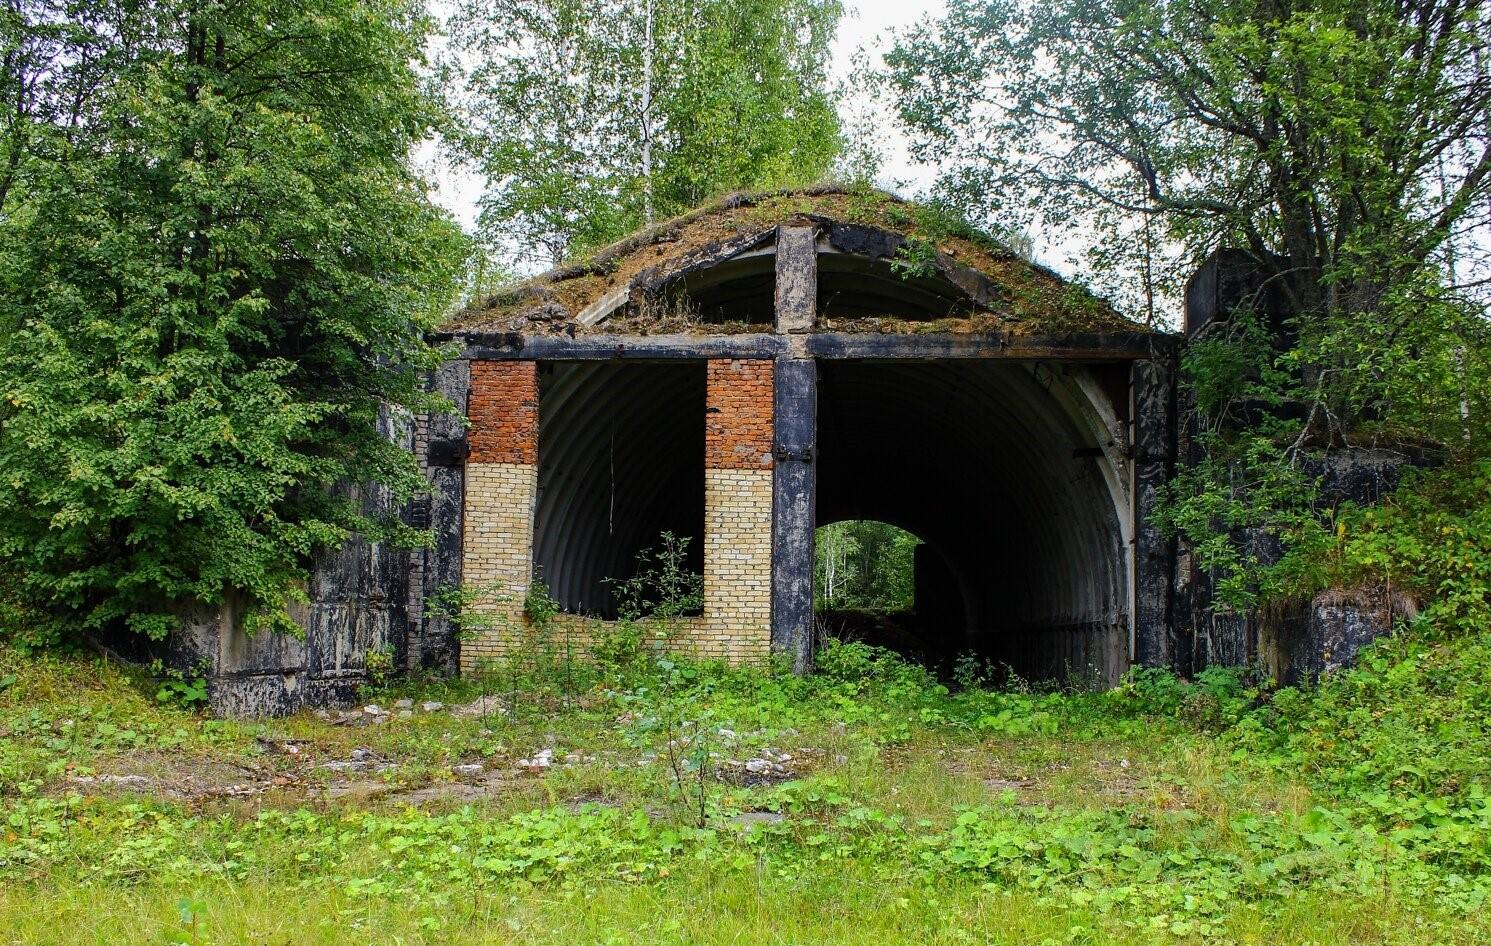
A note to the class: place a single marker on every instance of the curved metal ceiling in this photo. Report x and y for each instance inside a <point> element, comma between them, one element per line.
<point>621,460</point>
<point>849,286</point>
<point>983,463</point>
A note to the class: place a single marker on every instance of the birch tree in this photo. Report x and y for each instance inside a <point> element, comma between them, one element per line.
<point>588,119</point>
<point>1344,144</point>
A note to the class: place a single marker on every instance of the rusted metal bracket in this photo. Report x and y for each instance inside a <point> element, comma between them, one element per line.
<point>782,454</point>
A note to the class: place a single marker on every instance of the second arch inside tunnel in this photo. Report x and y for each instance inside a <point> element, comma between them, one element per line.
<point>1023,559</point>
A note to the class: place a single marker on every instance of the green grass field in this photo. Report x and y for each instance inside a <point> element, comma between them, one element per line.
<point>695,804</point>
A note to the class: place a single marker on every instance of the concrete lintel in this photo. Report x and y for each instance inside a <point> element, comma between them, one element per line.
<point>1117,347</point>
<point>514,346</point>
<point>1129,346</point>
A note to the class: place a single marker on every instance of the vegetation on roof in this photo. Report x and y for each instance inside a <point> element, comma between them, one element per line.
<point>1034,298</point>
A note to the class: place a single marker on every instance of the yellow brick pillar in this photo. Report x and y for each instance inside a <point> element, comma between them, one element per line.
<point>501,490</point>
<point>737,511</point>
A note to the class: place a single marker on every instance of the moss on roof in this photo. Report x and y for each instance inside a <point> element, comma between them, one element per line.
<point>1033,299</point>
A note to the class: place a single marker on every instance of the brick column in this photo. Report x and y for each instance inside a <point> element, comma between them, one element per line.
<point>501,487</point>
<point>737,510</point>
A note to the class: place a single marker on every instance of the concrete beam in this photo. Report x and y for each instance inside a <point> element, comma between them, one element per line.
<point>508,346</point>
<point>1117,347</point>
<point>1094,346</point>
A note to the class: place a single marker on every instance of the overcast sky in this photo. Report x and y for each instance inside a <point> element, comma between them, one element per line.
<point>866,25</point>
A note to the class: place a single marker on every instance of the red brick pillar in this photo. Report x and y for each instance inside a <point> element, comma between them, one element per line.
<point>501,488</point>
<point>737,510</point>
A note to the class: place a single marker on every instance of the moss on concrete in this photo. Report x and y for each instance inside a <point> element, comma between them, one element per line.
<point>1034,300</point>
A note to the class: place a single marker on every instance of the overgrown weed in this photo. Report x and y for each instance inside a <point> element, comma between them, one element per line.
<point>1159,810</point>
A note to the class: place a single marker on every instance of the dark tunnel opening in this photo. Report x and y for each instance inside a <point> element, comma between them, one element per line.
<point>620,463</point>
<point>855,287</point>
<point>738,290</point>
<point>850,287</point>
<point>881,585</point>
<point>1023,562</point>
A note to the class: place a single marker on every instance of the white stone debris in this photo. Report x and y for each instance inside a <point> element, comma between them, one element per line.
<point>541,760</point>
<point>362,760</point>
<point>124,781</point>
<point>481,706</point>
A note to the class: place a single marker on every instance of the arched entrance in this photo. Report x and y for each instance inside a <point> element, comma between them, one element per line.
<point>1012,493</point>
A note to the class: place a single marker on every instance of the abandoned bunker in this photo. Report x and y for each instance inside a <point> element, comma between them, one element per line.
<point>736,378</point>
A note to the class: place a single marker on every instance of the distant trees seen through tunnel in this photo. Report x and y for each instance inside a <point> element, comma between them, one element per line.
<point>864,565</point>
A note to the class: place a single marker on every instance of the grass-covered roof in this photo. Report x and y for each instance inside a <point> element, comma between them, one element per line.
<point>1013,293</point>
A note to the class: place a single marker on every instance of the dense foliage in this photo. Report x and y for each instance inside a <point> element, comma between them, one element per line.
<point>1342,143</point>
<point>587,120</point>
<point>1341,146</point>
<point>216,267</point>
<point>861,563</point>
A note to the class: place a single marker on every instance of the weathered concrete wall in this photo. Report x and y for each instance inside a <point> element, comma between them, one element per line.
<point>358,605</point>
<point>1328,632</point>
<point>1294,642</point>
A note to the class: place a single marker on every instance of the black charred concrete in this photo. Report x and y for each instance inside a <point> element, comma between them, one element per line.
<point>795,432</point>
<point>435,641</point>
<point>1155,637</point>
<point>358,605</point>
<point>1330,631</point>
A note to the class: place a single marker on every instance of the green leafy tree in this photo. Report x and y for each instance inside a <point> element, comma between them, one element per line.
<point>216,269</point>
<point>1345,145</point>
<point>862,563</point>
<point>588,120</point>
